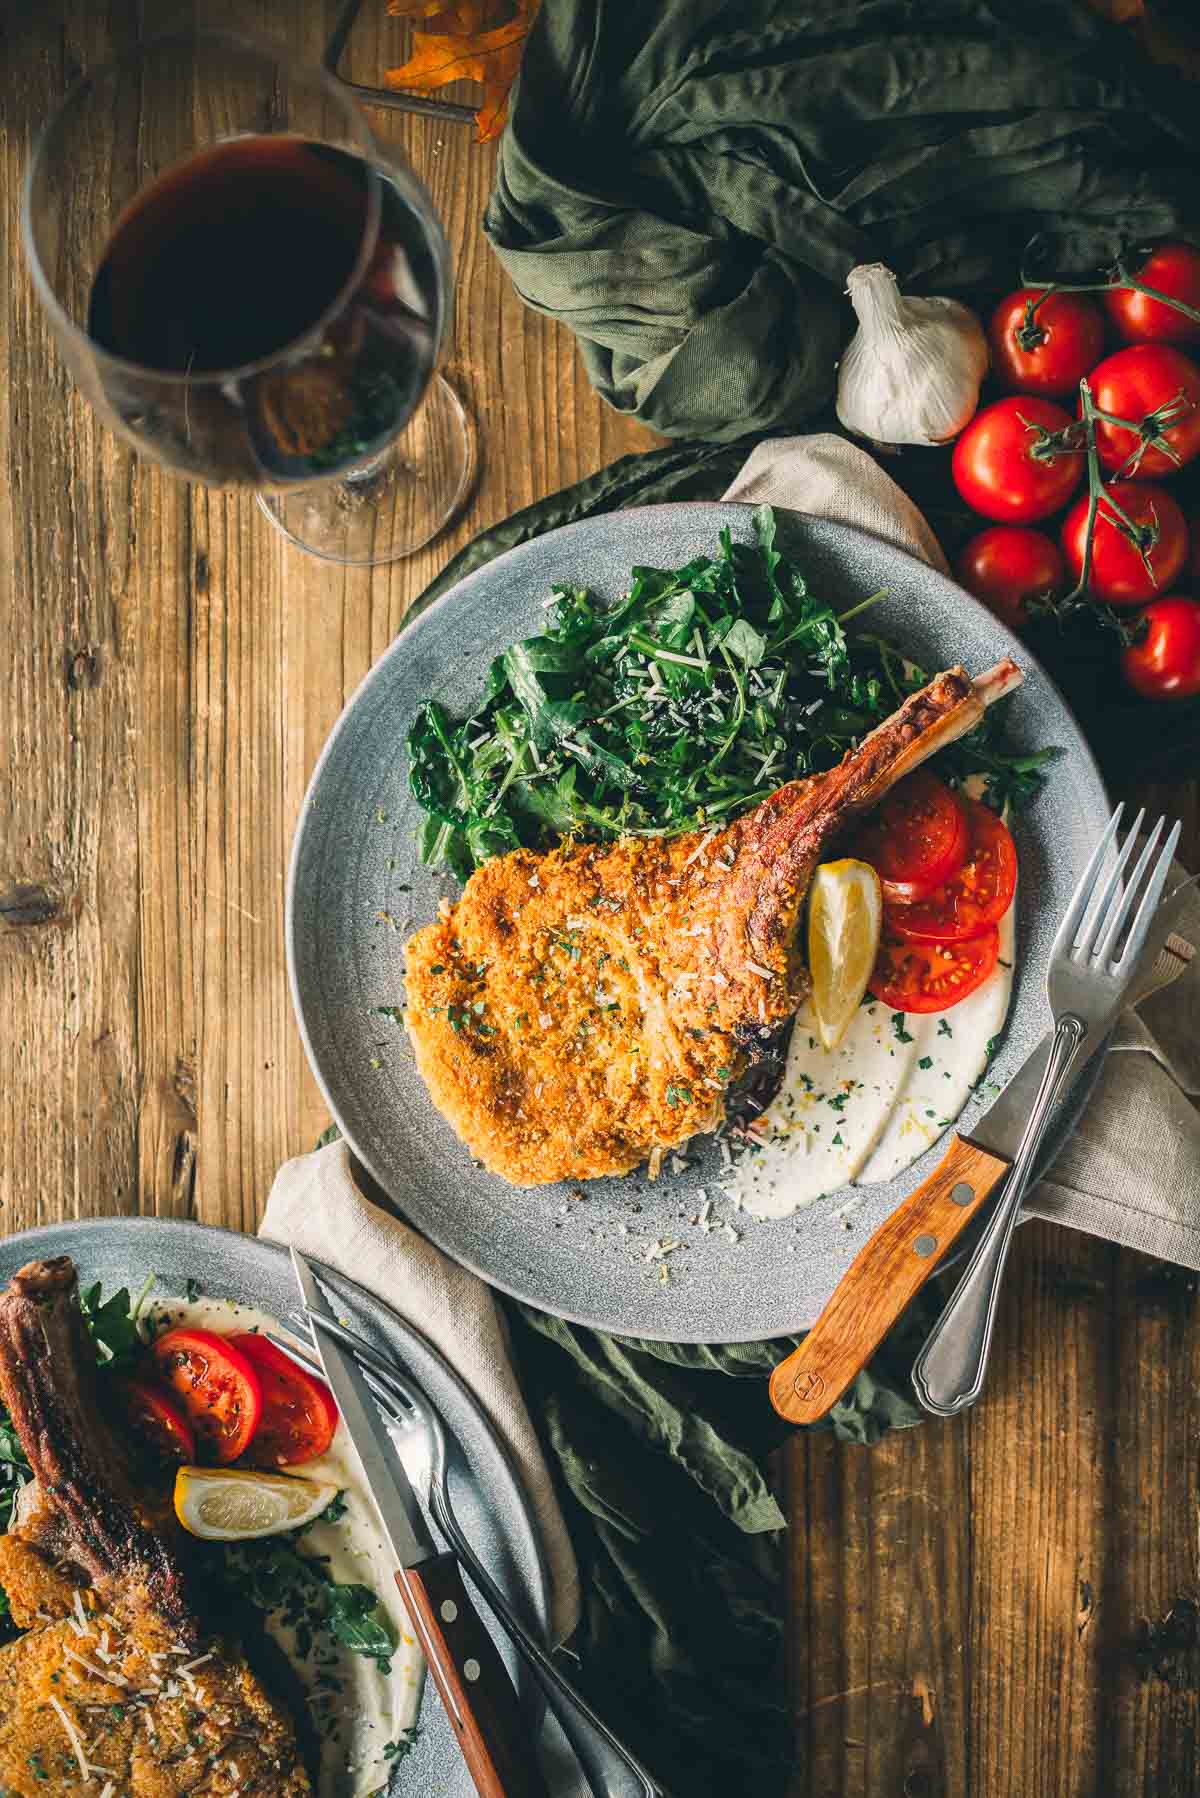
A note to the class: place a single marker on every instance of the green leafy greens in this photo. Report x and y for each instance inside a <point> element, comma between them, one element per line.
<point>676,709</point>
<point>276,1578</point>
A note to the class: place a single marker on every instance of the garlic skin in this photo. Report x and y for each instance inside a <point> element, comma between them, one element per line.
<point>913,369</point>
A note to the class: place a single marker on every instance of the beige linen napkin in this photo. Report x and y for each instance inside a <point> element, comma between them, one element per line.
<point>315,1204</point>
<point>1131,1171</point>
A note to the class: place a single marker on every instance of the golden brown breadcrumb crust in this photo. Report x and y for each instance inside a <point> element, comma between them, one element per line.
<point>577,1010</point>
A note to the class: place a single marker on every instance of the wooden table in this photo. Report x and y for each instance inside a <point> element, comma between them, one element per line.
<point>967,1596</point>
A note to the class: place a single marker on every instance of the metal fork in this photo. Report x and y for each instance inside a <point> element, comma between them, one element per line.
<point>611,1769</point>
<point>1086,984</point>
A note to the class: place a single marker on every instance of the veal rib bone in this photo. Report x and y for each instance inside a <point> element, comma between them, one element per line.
<point>578,1010</point>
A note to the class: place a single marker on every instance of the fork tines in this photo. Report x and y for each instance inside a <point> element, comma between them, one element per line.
<point>1101,918</point>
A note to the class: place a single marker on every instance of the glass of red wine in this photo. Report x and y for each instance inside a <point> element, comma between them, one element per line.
<point>253,292</point>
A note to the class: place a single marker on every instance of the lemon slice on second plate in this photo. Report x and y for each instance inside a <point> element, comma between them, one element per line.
<point>228,1505</point>
<point>845,909</point>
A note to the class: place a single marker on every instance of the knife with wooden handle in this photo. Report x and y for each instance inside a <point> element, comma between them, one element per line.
<point>893,1264</point>
<point>464,1663</point>
<point>888,1271</point>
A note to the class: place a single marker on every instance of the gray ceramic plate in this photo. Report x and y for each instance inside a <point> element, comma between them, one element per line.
<point>485,1491</point>
<point>356,891</point>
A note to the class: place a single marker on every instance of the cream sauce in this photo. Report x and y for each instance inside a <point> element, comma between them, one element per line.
<point>372,1708</point>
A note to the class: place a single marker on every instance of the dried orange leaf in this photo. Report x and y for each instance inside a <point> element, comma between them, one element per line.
<point>466,40</point>
<point>457,18</point>
<point>492,114</point>
<point>416,9</point>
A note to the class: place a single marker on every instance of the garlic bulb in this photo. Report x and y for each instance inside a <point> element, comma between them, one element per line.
<point>912,371</point>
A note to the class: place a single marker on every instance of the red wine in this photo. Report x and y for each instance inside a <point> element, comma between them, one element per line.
<point>236,256</point>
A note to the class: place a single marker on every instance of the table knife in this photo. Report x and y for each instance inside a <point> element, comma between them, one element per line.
<point>465,1665</point>
<point>894,1263</point>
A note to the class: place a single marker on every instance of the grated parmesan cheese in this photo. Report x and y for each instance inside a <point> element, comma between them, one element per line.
<point>112,1679</point>
<point>74,1738</point>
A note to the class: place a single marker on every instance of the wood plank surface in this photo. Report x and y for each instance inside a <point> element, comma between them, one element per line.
<point>967,1596</point>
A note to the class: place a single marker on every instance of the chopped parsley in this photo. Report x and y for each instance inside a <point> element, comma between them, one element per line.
<point>898,1022</point>
<point>273,1575</point>
<point>944,1028</point>
<point>396,1751</point>
<point>925,1062</point>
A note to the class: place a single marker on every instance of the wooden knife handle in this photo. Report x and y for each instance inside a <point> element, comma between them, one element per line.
<point>889,1269</point>
<point>473,1681</point>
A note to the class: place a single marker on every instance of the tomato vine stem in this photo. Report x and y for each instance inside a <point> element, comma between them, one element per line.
<point>1120,277</point>
<point>1078,595</point>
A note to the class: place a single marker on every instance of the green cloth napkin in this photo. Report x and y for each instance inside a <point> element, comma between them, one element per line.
<point>662,1453</point>
<point>687,183</point>
<point>661,1449</point>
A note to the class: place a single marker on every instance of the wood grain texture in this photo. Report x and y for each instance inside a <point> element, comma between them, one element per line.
<point>480,1699</point>
<point>885,1275</point>
<point>174,668</point>
<point>967,1596</point>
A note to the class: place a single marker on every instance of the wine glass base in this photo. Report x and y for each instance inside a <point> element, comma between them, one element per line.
<point>396,504</point>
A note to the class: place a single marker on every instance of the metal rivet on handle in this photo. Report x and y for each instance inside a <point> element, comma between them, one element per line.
<point>471,1669</point>
<point>962,1194</point>
<point>924,1246</point>
<point>449,1610</point>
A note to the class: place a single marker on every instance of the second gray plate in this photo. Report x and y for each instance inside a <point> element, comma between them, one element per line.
<point>486,1491</point>
<point>356,891</point>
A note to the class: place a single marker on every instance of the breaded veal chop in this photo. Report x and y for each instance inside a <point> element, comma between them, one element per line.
<point>581,1010</point>
<point>113,1691</point>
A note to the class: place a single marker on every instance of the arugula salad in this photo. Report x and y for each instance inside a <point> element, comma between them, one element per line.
<point>677,708</point>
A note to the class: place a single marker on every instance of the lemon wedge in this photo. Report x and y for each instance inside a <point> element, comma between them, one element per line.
<point>845,908</point>
<point>224,1504</point>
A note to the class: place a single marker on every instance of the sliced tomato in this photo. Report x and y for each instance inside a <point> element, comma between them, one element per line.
<point>299,1415</point>
<point>931,976</point>
<point>917,839</point>
<point>973,899</point>
<point>216,1384</point>
<point>156,1422</point>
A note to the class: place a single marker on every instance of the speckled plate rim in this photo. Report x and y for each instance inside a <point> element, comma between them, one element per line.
<point>435,1768</point>
<point>426,617</point>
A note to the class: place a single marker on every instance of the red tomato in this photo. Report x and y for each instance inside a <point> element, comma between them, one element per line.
<point>1128,566</point>
<point>1164,662</point>
<point>216,1384</point>
<point>973,899</point>
<point>299,1415</point>
<point>1008,565</point>
<point>156,1421</point>
<point>1010,463</point>
<point>1153,383</point>
<point>1173,268</point>
<point>931,976</point>
<point>917,839</point>
<point>1045,345</point>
